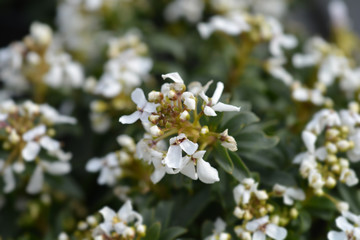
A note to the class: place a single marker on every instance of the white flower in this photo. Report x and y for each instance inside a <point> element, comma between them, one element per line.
<point>213,104</point>
<point>348,231</point>
<point>41,33</point>
<point>108,167</point>
<point>323,118</point>
<point>276,69</point>
<point>289,193</point>
<point>279,39</point>
<point>189,100</point>
<point>242,192</point>
<point>8,177</point>
<point>191,10</point>
<point>145,108</point>
<point>339,14</point>
<point>219,231</point>
<point>349,177</point>
<point>204,171</point>
<point>178,144</point>
<point>262,228</point>
<point>37,179</point>
<point>52,116</point>
<point>228,141</point>
<point>119,221</point>
<point>233,24</point>
<point>332,67</point>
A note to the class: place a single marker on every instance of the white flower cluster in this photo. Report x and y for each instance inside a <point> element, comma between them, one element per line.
<point>37,60</point>
<point>324,165</point>
<point>252,207</point>
<point>28,137</point>
<point>111,165</point>
<point>173,111</point>
<point>127,67</point>
<point>125,224</point>
<point>191,10</point>
<point>349,225</point>
<point>219,231</point>
<point>332,64</point>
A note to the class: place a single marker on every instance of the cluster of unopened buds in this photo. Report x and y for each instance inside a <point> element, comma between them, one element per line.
<point>325,165</point>
<point>127,68</point>
<point>27,136</point>
<point>260,218</point>
<point>174,111</point>
<point>113,165</point>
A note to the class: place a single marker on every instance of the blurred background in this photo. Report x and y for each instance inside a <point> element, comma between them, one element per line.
<point>17,15</point>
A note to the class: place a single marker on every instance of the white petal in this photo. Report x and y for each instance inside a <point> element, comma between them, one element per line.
<point>120,228</point>
<point>296,193</point>
<point>253,225</point>
<point>199,154</point>
<point>106,228</point>
<point>9,180</point>
<point>34,132</point>
<point>209,111</point>
<point>125,211</point>
<point>150,107</point>
<point>343,224</point>
<point>217,94</point>
<point>36,181</point>
<point>188,146</point>
<point>276,232</point>
<point>108,214</point>
<point>206,172</point>
<point>138,97</point>
<point>173,157</point>
<point>94,165</point>
<point>258,235</point>
<point>129,119</point>
<point>49,144</point>
<point>57,168</point>
<point>309,139</point>
<point>173,76</point>
<point>333,235</point>
<point>205,30</point>
<point>189,170</point>
<point>222,107</point>
<point>157,175</point>
<point>30,151</point>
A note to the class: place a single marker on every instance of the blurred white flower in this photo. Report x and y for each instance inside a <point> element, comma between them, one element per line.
<point>262,227</point>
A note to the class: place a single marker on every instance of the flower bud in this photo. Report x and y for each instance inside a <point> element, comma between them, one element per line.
<point>153,118</point>
<point>331,148</point>
<point>224,236</point>
<point>246,236</point>
<point>354,107</point>
<point>263,211</point>
<point>342,206</point>
<point>14,137</point>
<point>18,167</point>
<point>330,182</point>
<point>261,195</point>
<point>155,96</point>
<point>63,236</point>
<point>172,95</point>
<point>331,158</point>
<point>275,219</point>
<point>155,131</point>
<point>248,215</point>
<point>129,232</point>
<point>98,106</point>
<point>185,115</point>
<point>332,133</point>
<point>336,168</point>
<point>238,212</point>
<point>319,192</point>
<point>82,226</point>
<point>204,130</point>
<point>343,145</point>
<point>270,207</point>
<point>294,213</point>
<point>344,130</point>
<point>91,220</point>
<point>141,230</point>
<point>344,163</point>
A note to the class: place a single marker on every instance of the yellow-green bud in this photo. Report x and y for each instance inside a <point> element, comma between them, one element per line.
<point>294,213</point>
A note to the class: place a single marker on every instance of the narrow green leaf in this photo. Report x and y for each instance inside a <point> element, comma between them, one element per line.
<point>255,140</point>
<point>223,159</point>
<point>235,124</point>
<point>348,195</point>
<point>153,232</point>
<point>172,233</point>
<point>240,169</point>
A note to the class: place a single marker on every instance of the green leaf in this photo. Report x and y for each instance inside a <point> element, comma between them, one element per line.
<point>197,203</point>
<point>255,140</point>
<point>163,213</point>
<point>240,169</point>
<point>153,232</point>
<point>223,159</point>
<point>243,118</point>
<point>172,233</point>
<point>348,194</point>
